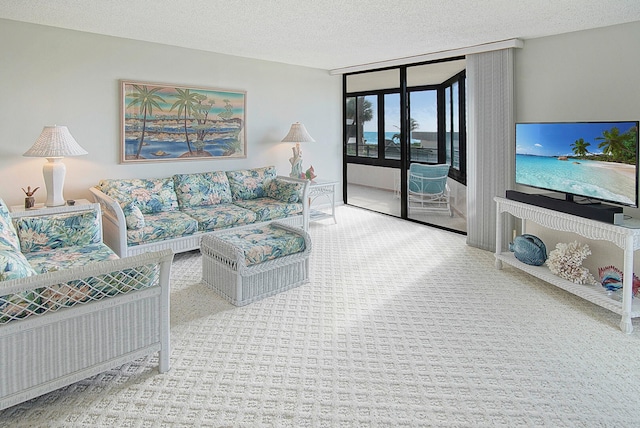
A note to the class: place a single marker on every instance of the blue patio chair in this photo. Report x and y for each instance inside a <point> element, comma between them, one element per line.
<point>428,188</point>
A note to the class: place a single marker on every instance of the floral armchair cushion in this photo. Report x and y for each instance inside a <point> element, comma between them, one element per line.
<point>285,191</point>
<point>250,183</point>
<point>61,230</point>
<point>150,195</point>
<point>8,235</point>
<point>198,190</point>
<point>70,257</point>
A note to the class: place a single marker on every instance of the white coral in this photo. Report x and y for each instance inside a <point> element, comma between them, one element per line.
<point>566,262</point>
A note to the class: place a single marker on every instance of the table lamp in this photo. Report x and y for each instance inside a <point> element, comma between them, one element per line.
<point>297,134</point>
<point>54,143</point>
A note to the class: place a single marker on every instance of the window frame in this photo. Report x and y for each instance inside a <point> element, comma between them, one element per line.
<point>379,160</point>
<point>457,173</point>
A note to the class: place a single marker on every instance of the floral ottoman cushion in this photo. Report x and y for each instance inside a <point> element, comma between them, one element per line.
<point>267,242</point>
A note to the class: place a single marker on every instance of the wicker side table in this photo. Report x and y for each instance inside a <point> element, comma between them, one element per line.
<point>224,267</point>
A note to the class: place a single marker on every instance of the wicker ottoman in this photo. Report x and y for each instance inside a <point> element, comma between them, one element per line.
<point>252,263</point>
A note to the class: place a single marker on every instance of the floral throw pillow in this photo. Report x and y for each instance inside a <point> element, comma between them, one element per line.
<point>285,191</point>
<point>8,235</point>
<point>249,183</point>
<point>14,265</point>
<point>133,216</point>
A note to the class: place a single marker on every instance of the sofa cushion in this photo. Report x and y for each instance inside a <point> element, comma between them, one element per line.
<point>204,189</point>
<point>8,235</point>
<point>221,216</point>
<point>163,225</point>
<point>41,233</point>
<point>270,209</point>
<point>150,195</point>
<point>70,257</point>
<point>14,265</point>
<point>133,216</point>
<point>249,183</point>
<point>285,191</point>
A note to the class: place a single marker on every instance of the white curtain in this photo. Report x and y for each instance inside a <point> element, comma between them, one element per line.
<point>490,143</point>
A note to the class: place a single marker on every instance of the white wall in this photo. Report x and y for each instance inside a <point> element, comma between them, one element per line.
<point>581,76</point>
<point>55,76</point>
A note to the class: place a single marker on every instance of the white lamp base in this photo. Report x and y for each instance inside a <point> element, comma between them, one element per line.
<point>54,172</point>
<point>296,162</point>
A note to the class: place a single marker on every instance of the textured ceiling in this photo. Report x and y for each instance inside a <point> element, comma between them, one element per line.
<point>326,34</point>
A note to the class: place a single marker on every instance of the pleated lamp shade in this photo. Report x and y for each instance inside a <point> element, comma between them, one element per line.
<point>54,143</point>
<point>298,134</point>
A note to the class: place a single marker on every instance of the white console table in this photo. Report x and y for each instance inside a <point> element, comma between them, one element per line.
<point>627,238</point>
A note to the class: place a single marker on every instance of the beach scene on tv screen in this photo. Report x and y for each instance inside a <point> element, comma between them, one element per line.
<point>595,160</point>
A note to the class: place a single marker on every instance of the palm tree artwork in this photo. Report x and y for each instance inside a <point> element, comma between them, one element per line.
<point>227,115</point>
<point>159,120</point>
<point>185,102</point>
<point>147,99</point>
<point>201,114</point>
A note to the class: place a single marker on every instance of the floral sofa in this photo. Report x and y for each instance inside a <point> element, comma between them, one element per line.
<point>70,308</point>
<point>175,212</point>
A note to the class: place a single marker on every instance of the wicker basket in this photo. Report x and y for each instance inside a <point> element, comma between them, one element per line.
<point>224,269</point>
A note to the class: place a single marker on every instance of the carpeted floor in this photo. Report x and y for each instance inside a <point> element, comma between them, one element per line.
<point>401,325</point>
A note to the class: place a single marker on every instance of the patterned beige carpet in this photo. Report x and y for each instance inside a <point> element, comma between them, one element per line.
<point>401,325</point>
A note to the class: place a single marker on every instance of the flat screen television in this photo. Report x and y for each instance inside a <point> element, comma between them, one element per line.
<point>586,161</point>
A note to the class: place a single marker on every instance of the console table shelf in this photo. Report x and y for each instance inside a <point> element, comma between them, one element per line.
<point>593,293</point>
<point>626,238</point>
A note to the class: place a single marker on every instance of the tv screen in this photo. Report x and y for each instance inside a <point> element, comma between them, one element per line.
<point>594,160</point>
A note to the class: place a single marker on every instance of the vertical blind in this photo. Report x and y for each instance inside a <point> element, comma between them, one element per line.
<point>490,143</point>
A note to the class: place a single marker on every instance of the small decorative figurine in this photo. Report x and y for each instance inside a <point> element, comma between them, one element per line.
<point>309,174</point>
<point>29,201</point>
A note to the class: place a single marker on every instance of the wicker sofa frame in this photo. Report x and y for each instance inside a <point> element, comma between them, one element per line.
<point>115,227</point>
<point>50,349</point>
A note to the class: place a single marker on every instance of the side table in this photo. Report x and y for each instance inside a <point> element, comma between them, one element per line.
<point>323,190</point>
<point>40,209</point>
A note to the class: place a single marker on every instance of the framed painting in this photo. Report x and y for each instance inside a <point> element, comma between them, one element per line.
<point>164,122</point>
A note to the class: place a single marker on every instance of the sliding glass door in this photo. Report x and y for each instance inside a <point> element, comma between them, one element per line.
<point>373,146</point>
<point>399,117</point>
